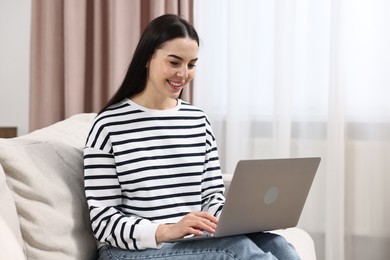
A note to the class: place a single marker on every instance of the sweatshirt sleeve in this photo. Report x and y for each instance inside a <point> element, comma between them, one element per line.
<point>212,182</point>
<point>104,197</point>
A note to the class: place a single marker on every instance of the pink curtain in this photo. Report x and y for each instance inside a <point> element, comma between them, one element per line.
<point>80,50</point>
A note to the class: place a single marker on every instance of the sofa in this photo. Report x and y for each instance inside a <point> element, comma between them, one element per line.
<point>43,211</point>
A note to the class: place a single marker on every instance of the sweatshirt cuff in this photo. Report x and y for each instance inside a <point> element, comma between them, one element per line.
<point>148,236</point>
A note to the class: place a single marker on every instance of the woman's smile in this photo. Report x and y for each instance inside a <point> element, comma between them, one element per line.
<point>170,69</point>
<point>176,85</point>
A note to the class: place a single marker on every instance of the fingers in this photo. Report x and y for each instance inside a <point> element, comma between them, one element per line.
<point>200,221</point>
<point>194,223</point>
<point>205,215</point>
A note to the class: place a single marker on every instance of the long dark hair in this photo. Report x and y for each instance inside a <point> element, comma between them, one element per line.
<point>157,32</point>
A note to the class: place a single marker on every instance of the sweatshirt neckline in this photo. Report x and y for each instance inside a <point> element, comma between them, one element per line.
<point>156,111</point>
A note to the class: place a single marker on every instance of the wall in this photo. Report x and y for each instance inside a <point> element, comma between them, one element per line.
<point>15,20</point>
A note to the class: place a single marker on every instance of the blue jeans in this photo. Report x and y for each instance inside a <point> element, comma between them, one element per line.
<point>253,246</point>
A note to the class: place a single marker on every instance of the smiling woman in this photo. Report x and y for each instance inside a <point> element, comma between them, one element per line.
<point>181,41</point>
<point>151,165</point>
<point>169,70</point>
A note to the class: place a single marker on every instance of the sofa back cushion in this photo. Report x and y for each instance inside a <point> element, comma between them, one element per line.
<point>44,170</point>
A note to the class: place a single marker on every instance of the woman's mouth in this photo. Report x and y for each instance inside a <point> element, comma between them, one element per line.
<point>177,86</point>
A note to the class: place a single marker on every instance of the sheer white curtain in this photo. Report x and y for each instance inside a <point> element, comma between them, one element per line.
<point>296,78</point>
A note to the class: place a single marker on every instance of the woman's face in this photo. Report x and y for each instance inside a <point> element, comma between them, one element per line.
<point>171,68</point>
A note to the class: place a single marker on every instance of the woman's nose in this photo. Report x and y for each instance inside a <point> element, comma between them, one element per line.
<point>183,72</point>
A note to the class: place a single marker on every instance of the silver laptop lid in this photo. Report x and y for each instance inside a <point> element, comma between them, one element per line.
<point>267,195</point>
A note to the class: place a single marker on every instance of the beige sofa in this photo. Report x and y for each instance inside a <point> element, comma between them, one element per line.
<point>43,212</point>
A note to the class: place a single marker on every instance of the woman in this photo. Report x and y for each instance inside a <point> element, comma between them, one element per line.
<point>152,171</point>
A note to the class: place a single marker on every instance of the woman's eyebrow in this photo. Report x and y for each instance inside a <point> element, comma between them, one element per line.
<point>180,58</point>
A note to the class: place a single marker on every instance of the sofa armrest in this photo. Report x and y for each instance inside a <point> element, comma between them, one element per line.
<point>301,240</point>
<point>10,248</point>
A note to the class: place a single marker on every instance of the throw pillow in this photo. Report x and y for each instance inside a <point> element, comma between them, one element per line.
<point>47,182</point>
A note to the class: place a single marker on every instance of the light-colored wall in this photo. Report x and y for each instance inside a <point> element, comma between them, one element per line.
<point>15,21</point>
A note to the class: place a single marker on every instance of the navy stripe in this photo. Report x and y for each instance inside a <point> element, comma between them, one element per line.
<point>166,206</point>
<point>161,177</point>
<point>184,194</point>
<point>159,167</point>
<point>154,128</point>
<point>160,187</point>
<point>169,156</point>
<point>161,147</point>
<point>144,139</point>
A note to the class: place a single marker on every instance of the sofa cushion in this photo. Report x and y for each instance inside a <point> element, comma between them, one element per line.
<point>72,131</point>
<point>8,214</point>
<point>44,170</point>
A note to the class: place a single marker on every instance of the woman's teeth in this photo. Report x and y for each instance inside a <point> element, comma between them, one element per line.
<point>175,83</point>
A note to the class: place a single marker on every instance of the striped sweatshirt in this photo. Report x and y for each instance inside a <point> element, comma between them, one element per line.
<point>145,167</point>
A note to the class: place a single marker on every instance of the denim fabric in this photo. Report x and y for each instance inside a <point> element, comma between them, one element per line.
<point>262,246</point>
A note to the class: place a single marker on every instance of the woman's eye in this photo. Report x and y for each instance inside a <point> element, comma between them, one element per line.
<point>177,64</point>
<point>174,63</point>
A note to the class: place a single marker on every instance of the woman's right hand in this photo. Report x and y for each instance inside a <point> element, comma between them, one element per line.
<point>194,223</point>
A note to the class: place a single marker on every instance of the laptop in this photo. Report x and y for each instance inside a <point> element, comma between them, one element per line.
<point>264,195</point>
